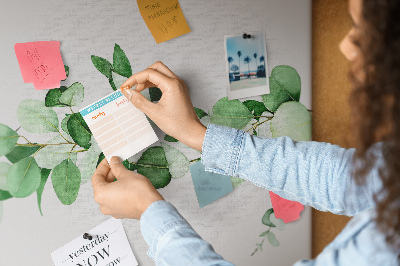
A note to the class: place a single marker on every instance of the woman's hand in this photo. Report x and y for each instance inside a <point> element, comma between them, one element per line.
<point>128,197</point>
<point>174,113</point>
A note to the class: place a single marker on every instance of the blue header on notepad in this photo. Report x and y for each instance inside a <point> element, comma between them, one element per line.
<point>101,103</point>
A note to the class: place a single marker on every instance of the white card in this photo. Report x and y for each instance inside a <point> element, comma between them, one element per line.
<point>118,126</point>
<point>109,247</point>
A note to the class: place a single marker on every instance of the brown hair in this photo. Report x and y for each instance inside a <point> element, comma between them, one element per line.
<point>375,101</point>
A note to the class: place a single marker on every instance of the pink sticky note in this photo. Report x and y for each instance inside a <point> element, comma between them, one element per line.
<point>284,209</point>
<point>41,63</point>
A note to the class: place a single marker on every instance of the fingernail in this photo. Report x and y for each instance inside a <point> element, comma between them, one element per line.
<point>129,94</point>
<point>115,160</point>
<point>124,88</point>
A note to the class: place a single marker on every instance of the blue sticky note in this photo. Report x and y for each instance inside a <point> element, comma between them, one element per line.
<point>209,186</point>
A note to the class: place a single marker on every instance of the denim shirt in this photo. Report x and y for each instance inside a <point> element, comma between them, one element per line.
<point>313,173</point>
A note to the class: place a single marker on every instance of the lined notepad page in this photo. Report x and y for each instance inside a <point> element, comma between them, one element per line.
<point>118,126</point>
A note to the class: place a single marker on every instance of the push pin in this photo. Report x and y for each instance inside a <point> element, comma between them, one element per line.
<point>87,236</point>
<point>246,36</point>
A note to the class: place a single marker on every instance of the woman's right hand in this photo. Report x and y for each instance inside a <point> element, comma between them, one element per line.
<point>174,113</point>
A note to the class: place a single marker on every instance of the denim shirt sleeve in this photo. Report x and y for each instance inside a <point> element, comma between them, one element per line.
<point>312,173</point>
<point>171,239</point>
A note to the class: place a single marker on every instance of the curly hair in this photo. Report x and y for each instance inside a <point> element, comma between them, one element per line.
<point>375,102</point>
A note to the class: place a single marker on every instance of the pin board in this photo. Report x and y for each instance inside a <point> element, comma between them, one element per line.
<point>232,224</point>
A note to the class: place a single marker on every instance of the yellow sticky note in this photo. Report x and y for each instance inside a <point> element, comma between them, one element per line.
<point>164,18</point>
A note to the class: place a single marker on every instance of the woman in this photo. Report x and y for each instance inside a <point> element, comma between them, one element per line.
<point>362,182</point>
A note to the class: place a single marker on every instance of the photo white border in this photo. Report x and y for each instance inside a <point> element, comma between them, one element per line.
<point>247,92</point>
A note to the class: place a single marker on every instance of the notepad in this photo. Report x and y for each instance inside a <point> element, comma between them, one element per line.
<point>118,126</point>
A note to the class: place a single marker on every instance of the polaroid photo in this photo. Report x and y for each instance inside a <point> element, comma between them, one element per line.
<point>246,65</point>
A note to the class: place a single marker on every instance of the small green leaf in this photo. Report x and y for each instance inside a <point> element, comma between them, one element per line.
<point>236,181</point>
<point>8,139</point>
<point>44,175</point>
<point>155,94</point>
<point>169,138</point>
<point>256,107</point>
<point>101,158</point>
<point>112,84</point>
<point>23,178</point>
<point>272,239</point>
<point>292,119</point>
<point>64,123</point>
<point>230,113</point>
<point>276,97</point>
<point>66,70</point>
<point>4,167</point>
<point>200,113</point>
<point>121,63</point>
<point>4,195</point>
<point>79,130</point>
<point>35,117</point>
<point>73,96</point>
<point>264,233</point>
<point>66,179</point>
<point>53,97</point>
<point>52,155</point>
<point>21,152</point>
<point>102,65</point>
<point>118,80</point>
<point>178,163</point>
<point>288,79</point>
<point>153,165</point>
<point>265,219</point>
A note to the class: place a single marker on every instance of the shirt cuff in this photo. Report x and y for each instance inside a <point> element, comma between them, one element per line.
<point>158,219</point>
<point>221,150</point>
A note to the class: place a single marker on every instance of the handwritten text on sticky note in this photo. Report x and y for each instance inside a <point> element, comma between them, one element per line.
<point>41,63</point>
<point>164,18</point>
<point>209,186</point>
<point>284,209</point>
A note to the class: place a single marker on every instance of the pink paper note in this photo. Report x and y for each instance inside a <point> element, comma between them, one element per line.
<point>284,209</point>
<point>41,63</point>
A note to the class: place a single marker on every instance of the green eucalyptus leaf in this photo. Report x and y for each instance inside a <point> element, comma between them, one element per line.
<point>64,122</point>
<point>4,167</point>
<point>44,174</point>
<point>292,119</point>
<point>66,70</point>
<point>155,94</point>
<point>73,96</point>
<point>23,178</point>
<point>230,113</point>
<point>169,138</point>
<point>264,129</point>
<point>178,163</point>
<point>21,152</point>
<point>118,80</point>
<point>200,113</point>
<point>8,139</point>
<point>266,218</point>
<point>66,179</point>
<point>88,163</point>
<point>102,65</point>
<point>79,130</point>
<point>52,155</point>
<point>288,79</point>
<point>272,239</point>
<point>53,97</point>
<point>101,158</point>
<point>256,107</point>
<point>121,63</point>
<point>264,233</point>
<point>276,97</point>
<point>236,181</point>
<point>279,223</point>
<point>153,165</point>
<point>112,84</point>
<point>4,194</point>
<point>35,117</point>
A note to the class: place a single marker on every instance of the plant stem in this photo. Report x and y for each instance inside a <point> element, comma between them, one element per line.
<point>262,242</point>
<point>195,160</point>
<point>258,124</point>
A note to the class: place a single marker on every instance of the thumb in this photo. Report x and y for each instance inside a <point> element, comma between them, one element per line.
<point>138,100</point>
<point>117,168</point>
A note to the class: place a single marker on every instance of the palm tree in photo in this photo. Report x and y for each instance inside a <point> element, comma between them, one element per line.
<point>255,58</point>
<point>247,60</point>
<point>239,55</point>
<point>230,60</point>
<point>262,59</point>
